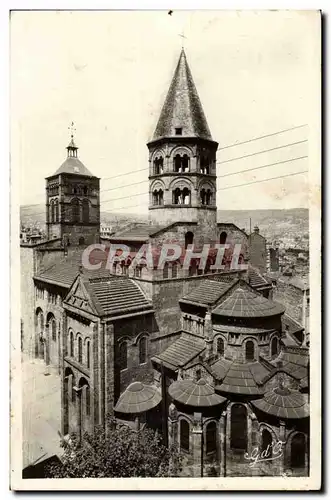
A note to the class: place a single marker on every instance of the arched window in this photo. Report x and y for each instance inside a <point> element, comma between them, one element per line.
<point>220,346</point>
<point>81,241</point>
<point>75,210</point>
<point>53,326</point>
<point>56,210</point>
<point>85,190</point>
<point>204,165</point>
<point>142,350</point>
<point>186,196</point>
<point>158,165</point>
<point>123,356</point>
<point>73,392</point>
<point>266,444</point>
<point>298,450</point>
<point>88,361</point>
<point>80,350</point>
<point>188,239</point>
<point>185,163</point>
<point>86,211</point>
<point>88,400</point>
<point>71,344</point>
<point>250,350</point>
<point>238,438</point>
<point>177,163</point>
<point>203,196</point>
<point>52,211</point>
<point>211,437</point>
<point>184,435</point>
<point>208,197</point>
<point>158,197</point>
<point>223,237</point>
<point>274,346</point>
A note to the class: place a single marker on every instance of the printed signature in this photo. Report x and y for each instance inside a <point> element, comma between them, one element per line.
<point>271,452</point>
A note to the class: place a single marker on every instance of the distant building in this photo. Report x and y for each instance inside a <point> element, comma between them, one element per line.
<point>105,231</point>
<point>258,250</point>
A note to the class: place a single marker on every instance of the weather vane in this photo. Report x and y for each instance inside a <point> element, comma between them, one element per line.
<point>72,129</point>
<point>182,37</point>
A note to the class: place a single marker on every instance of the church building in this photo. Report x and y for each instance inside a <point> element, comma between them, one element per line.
<point>203,355</point>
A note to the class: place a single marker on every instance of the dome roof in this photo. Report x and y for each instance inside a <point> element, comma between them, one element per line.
<point>245,303</point>
<point>138,398</point>
<point>284,403</point>
<point>195,393</point>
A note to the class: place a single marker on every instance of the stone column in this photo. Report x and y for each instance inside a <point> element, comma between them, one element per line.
<point>282,437</point>
<point>78,391</point>
<point>173,427</point>
<point>109,374</point>
<point>197,445</point>
<point>222,444</point>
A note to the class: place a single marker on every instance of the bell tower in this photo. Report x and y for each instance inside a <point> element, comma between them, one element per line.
<point>182,157</point>
<point>73,202</point>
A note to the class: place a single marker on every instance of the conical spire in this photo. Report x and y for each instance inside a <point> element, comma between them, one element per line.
<point>182,113</point>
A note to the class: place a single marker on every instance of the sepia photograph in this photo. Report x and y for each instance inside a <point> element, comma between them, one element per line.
<point>165,177</point>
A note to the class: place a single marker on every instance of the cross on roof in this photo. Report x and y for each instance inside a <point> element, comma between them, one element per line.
<point>72,129</point>
<point>182,37</point>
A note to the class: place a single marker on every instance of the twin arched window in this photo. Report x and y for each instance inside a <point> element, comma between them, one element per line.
<point>158,165</point>
<point>206,196</point>
<point>158,197</point>
<point>181,163</point>
<point>181,196</point>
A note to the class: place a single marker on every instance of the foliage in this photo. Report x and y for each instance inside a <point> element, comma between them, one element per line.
<point>123,452</point>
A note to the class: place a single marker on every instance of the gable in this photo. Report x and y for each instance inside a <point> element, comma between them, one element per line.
<point>79,298</point>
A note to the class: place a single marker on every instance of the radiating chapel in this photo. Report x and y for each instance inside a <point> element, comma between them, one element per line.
<point>205,356</point>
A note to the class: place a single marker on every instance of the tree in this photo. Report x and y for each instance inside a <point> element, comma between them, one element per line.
<point>123,452</point>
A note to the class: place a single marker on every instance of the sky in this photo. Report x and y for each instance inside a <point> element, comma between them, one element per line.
<point>109,72</point>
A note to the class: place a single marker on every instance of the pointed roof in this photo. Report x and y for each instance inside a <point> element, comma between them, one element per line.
<point>182,107</point>
<point>72,164</point>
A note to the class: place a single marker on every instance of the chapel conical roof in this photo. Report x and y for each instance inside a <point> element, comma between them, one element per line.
<point>182,108</point>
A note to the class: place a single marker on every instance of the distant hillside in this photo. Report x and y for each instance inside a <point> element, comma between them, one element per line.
<point>272,223</point>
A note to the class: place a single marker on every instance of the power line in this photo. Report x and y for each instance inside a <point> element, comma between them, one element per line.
<point>220,189</point>
<point>127,173</point>
<point>264,180</point>
<point>124,197</point>
<point>261,137</point>
<point>262,166</point>
<point>263,151</point>
<point>120,187</point>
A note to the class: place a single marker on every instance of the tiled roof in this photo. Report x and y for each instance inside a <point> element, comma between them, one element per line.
<point>116,295</point>
<point>209,291</point>
<point>138,232</point>
<point>255,279</point>
<point>239,378</point>
<point>66,269</point>
<point>195,393</point>
<point>246,303</point>
<point>284,403</point>
<point>73,166</point>
<point>293,326</point>
<point>181,351</point>
<point>293,363</point>
<point>182,107</point>
<point>138,398</point>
